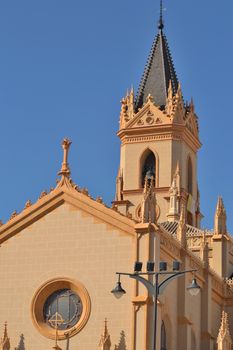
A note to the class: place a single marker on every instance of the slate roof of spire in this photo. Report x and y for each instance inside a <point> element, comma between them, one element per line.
<point>159,71</point>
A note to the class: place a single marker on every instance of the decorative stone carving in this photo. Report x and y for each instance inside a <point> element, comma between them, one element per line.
<point>127,109</point>
<point>119,186</point>
<point>220,226</point>
<point>158,121</point>
<point>150,120</point>
<point>224,338</point>
<point>140,122</point>
<point>43,194</point>
<point>84,191</point>
<point>13,215</point>
<point>170,246</point>
<point>148,206</point>
<point>28,204</point>
<point>5,341</point>
<point>182,228</point>
<point>105,341</point>
<point>173,214</point>
<point>99,199</point>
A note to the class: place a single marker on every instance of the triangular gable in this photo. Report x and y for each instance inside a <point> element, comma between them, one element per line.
<point>149,115</point>
<point>58,197</point>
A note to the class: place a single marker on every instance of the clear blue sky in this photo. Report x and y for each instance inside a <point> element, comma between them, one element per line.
<point>66,64</point>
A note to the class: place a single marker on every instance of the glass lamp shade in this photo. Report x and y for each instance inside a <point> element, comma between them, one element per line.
<point>194,288</point>
<point>118,291</point>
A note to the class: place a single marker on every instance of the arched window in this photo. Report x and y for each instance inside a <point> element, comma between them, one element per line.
<point>163,337</point>
<point>148,167</point>
<point>190,176</point>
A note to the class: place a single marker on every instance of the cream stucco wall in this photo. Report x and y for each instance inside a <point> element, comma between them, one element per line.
<point>66,243</point>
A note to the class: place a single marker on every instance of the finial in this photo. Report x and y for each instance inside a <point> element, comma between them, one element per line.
<point>5,330</point>
<point>105,341</point>
<point>182,215</point>
<point>105,327</point>
<point>65,170</point>
<point>220,220</point>
<point>224,336</point>
<point>5,341</point>
<point>161,24</point>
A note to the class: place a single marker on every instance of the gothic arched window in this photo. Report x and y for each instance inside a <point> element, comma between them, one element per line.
<point>148,167</point>
<point>190,176</point>
<point>163,337</point>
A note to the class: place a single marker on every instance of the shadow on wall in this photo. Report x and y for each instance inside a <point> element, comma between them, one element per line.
<point>21,345</point>
<point>122,342</point>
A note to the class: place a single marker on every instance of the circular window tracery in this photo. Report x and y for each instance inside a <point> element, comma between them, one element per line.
<point>65,303</point>
<point>60,303</point>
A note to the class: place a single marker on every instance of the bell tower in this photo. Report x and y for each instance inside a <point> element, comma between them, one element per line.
<point>159,138</point>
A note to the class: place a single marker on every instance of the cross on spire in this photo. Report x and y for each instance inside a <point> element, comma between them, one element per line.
<point>65,170</point>
<point>161,23</point>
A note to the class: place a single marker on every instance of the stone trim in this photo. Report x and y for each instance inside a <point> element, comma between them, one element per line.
<point>40,297</point>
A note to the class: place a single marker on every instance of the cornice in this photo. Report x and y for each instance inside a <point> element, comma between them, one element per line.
<point>140,190</point>
<point>56,198</point>
<point>159,132</point>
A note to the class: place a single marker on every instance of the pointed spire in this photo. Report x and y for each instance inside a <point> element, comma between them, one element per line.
<point>173,214</point>
<point>182,228</point>
<point>177,174</point>
<point>105,341</point>
<point>204,251</point>
<point>5,331</point>
<point>170,92</point>
<point>220,227</point>
<point>5,341</point>
<point>159,71</point>
<point>119,186</point>
<point>224,338</point>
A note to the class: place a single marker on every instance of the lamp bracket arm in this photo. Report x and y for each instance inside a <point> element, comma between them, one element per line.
<point>165,282</point>
<point>149,286</point>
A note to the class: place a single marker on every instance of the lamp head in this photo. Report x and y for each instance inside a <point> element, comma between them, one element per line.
<point>176,266</point>
<point>138,266</point>
<point>162,266</point>
<point>194,288</point>
<point>118,291</point>
<point>150,266</point>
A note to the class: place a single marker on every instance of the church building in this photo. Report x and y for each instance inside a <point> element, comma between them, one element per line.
<point>60,255</point>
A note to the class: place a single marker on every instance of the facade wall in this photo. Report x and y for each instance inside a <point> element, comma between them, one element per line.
<point>66,243</point>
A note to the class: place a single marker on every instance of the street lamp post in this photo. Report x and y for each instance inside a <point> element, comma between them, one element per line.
<point>156,287</point>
